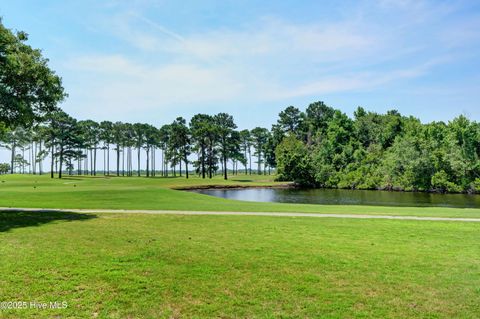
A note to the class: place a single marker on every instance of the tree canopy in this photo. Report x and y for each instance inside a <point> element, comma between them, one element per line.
<point>29,89</point>
<point>379,151</point>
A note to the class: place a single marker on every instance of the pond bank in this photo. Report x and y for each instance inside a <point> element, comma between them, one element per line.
<point>342,197</point>
<point>225,187</point>
<point>292,185</point>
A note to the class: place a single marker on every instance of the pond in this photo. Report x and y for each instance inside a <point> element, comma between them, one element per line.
<point>346,197</point>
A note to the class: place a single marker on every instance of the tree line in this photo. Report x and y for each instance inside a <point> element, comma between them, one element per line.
<point>323,147</point>
<point>206,145</point>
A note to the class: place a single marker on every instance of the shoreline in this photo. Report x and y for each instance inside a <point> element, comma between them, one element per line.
<point>296,186</point>
<point>220,187</point>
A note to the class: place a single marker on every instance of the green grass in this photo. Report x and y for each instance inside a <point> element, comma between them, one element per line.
<point>114,265</point>
<point>157,194</point>
<point>159,266</point>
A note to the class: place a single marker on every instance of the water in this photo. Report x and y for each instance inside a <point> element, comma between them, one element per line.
<point>346,197</point>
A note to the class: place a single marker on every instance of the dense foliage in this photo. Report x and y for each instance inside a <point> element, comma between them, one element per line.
<point>4,168</point>
<point>28,87</point>
<point>323,147</point>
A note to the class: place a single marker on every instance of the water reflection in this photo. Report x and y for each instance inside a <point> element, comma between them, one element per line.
<point>346,197</point>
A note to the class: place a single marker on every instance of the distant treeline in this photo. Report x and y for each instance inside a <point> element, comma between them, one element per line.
<point>209,143</point>
<point>323,147</point>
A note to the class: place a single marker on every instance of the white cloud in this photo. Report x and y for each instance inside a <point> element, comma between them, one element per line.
<point>113,84</point>
<point>269,59</point>
<point>357,81</point>
<point>265,37</point>
<point>119,85</point>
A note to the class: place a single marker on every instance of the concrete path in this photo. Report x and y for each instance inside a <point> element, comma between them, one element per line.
<point>311,215</point>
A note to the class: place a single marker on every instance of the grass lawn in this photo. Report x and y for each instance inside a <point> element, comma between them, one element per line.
<point>166,266</point>
<point>157,194</point>
<point>159,266</point>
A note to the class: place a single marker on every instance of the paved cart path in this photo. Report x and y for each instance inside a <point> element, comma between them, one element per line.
<point>311,215</point>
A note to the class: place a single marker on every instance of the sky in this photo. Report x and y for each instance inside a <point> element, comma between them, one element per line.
<point>152,60</point>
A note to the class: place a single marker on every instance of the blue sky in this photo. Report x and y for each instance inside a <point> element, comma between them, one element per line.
<point>150,61</point>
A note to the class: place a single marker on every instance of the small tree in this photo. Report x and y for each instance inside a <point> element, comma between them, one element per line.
<point>293,162</point>
<point>65,140</point>
<point>180,135</point>
<point>225,127</point>
<point>106,136</point>
<point>4,168</point>
<point>259,138</point>
<point>203,135</point>
<point>245,145</point>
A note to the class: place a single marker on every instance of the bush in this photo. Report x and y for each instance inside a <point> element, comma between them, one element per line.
<point>4,168</point>
<point>441,183</point>
<point>475,186</point>
<point>293,162</point>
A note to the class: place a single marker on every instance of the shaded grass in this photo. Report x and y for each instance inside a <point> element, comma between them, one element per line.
<point>156,194</point>
<point>12,219</point>
<point>158,266</point>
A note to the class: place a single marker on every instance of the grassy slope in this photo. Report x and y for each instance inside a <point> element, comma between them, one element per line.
<point>154,266</point>
<point>143,193</point>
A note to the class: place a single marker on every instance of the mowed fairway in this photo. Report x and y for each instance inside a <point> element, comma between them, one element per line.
<point>157,194</point>
<point>120,265</point>
<point>157,266</point>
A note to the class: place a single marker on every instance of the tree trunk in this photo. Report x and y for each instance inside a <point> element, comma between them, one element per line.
<point>91,162</point>
<point>210,166</point>
<point>123,161</point>
<point>80,162</point>
<point>264,166</point>
<point>128,161</point>
<point>95,161</point>
<point>186,165</point>
<point>153,161</point>
<point>148,161</point>
<point>225,167</point>
<point>85,163</point>
<point>13,157</point>
<point>56,161</point>
<point>104,160</point>
<point>35,159</point>
<point>51,164</point>
<point>180,162</point>
<point>250,161</point>
<point>131,161</point>
<point>33,164</point>
<point>259,167</point>
<point>221,163</point>
<point>138,161</point>
<point>61,162</point>
<point>118,160</point>
<point>246,161</point>
<point>163,166</point>
<point>40,166</point>
<point>108,158</point>
<point>203,162</point>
